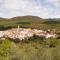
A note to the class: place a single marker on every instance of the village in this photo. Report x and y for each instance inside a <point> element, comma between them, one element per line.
<point>22,33</point>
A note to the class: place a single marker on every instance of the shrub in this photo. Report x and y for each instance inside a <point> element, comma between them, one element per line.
<point>35,37</point>
<point>5,48</point>
<point>51,42</point>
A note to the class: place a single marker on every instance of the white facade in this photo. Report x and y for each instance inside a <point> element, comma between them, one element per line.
<point>1,34</point>
<point>25,33</point>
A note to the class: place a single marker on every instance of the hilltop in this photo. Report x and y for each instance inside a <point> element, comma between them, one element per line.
<point>26,18</point>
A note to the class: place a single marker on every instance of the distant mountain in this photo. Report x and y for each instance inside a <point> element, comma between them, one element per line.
<point>53,19</point>
<point>26,18</point>
<point>3,18</point>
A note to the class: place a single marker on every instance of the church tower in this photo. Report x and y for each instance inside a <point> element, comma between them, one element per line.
<point>18,28</point>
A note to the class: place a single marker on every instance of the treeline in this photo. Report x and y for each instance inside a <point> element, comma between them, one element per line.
<point>51,22</point>
<point>2,27</point>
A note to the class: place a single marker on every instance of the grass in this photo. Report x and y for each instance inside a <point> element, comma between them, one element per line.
<point>33,50</point>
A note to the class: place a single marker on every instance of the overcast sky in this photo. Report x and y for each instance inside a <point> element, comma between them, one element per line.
<point>41,8</point>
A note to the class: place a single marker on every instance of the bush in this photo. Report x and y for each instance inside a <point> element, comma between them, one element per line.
<point>51,42</point>
<point>35,37</point>
<point>5,48</point>
<point>1,27</point>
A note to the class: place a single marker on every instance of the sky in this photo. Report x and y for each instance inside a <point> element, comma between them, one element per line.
<point>40,8</point>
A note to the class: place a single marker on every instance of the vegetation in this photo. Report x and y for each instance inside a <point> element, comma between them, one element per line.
<point>35,48</point>
<point>29,22</point>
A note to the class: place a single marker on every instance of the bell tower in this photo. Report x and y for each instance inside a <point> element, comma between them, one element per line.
<point>18,28</point>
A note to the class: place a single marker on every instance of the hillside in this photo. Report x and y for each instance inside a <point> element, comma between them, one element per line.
<point>29,22</point>
<point>26,18</point>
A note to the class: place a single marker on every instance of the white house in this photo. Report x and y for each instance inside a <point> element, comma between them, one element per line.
<point>1,34</point>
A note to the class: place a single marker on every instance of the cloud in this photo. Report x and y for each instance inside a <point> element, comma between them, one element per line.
<point>55,2</point>
<point>44,9</point>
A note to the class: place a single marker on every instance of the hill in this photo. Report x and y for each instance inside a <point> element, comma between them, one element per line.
<point>26,18</point>
<point>29,22</point>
